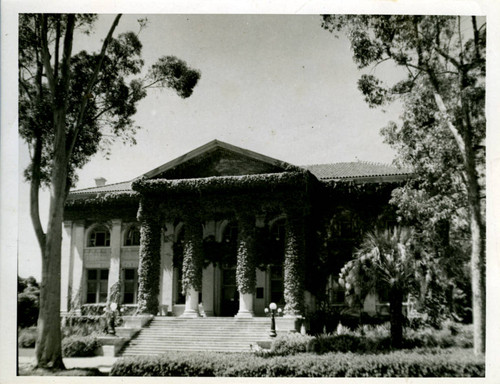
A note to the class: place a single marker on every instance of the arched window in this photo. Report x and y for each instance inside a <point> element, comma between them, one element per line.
<point>99,237</point>
<point>133,236</point>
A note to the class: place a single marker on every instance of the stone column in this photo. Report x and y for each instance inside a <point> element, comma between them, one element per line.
<point>65,264</point>
<point>208,287</point>
<point>76,265</point>
<point>192,267</point>
<point>294,271</point>
<point>208,290</point>
<point>167,270</point>
<point>149,256</point>
<point>114,288</point>
<point>245,267</point>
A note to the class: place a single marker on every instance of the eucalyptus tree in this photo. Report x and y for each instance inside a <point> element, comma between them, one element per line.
<point>70,106</point>
<point>443,66</point>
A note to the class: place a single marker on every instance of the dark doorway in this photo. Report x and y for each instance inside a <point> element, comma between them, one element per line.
<point>230,298</point>
<point>276,261</point>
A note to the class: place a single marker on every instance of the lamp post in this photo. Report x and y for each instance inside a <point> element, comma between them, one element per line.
<point>273,307</point>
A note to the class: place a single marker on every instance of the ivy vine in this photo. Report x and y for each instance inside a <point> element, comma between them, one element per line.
<point>294,267</point>
<point>245,266</point>
<point>149,257</point>
<point>192,264</point>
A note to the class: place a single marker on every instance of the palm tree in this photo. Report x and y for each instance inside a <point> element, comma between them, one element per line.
<point>385,261</point>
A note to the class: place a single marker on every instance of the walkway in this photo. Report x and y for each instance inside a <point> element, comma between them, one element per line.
<point>103,363</point>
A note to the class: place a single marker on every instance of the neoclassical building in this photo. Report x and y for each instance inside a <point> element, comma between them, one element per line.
<point>220,231</point>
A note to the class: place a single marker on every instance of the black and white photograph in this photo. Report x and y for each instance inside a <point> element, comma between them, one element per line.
<point>304,192</point>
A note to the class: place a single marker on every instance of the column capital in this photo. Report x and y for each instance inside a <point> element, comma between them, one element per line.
<point>80,222</point>
<point>116,221</point>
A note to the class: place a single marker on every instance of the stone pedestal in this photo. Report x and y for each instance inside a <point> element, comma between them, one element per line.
<point>191,309</point>
<point>246,305</point>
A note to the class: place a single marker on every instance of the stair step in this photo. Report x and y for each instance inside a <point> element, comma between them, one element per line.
<point>166,334</point>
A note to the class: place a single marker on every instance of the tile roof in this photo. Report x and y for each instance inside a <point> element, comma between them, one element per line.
<point>337,171</point>
<point>354,170</point>
<point>125,186</point>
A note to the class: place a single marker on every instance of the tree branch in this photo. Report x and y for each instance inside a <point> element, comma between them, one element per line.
<point>58,37</point>
<point>66,59</point>
<point>83,105</point>
<point>476,38</point>
<point>446,116</point>
<point>46,56</point>
<point>34,191</point>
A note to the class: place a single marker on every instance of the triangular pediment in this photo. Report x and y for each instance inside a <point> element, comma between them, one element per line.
<point>218,159</point>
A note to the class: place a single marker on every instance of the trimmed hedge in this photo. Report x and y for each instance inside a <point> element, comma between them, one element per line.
<point>368,339</point>
<point>79,346</point>
<point>425,363</point>
<point>290,344</point>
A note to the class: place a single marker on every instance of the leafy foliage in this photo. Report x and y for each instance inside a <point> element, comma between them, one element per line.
<point>293,276</point>
<point>79,346</point>
<point>245,266</point>
<point>442,136</point>
<point>192,265</point>
<point>149,258</point>
<point>110,104</point>
<point>28,301</point>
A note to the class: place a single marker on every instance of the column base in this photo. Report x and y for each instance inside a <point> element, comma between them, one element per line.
<point>190,313</point>
<point>244,314</point>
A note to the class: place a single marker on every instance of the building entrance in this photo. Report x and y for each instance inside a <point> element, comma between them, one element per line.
<point>230,298</point>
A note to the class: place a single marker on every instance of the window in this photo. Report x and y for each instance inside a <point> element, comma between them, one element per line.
<point>97,286</point>
<point>99,237</point>
<point>277,284</point>
<point>133,236</point>
<point>129,286</point>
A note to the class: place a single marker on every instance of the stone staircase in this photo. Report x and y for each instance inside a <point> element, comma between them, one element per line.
<point>224,334</point>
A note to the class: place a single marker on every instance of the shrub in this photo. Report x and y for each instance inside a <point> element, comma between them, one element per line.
<point>336,343</point>
<point>27,307</point>
<point>26,337</point>
<point>83,325</point>
<point>450,363</point>
<point>79,346</point>
<point>290,343</point>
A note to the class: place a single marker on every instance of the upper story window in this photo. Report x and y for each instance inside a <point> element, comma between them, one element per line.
<point>99,237</point>
<point>133,236</point>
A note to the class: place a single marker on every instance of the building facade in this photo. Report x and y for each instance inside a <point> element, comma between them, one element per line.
<point>220,231</point>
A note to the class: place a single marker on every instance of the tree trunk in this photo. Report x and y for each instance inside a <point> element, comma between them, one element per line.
<point>478,256</point>
<point>396,318</point>
<point>48,344</point>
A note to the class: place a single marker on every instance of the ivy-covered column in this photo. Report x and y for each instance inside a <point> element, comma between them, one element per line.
<point>245,265</point>
<point>149,256</point>
<point>192,266</point>
<point>294,269</point>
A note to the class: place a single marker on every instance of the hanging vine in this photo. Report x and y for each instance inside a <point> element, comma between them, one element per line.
<point>294,267</point>
<point>192,265</point>
<point>245,266</point>
<point>149,256</point>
